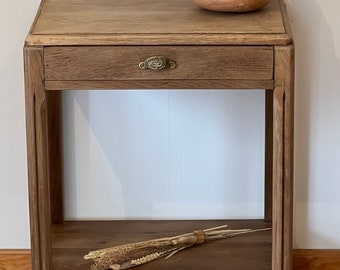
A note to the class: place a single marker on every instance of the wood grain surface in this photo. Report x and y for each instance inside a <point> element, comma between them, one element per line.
<point>126,33</point>
<point>95,22</point>
<point>192,62</point>
<point>303,259</point>
<point>15,259</point>
<point>283,152</point>
<point>72,240</point>
<point>159,84</point>
<point>134,16</point>
<point>316,259</point>
<point>37,151</point>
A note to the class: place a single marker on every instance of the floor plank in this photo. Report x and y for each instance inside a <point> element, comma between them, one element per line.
<point>15,259</point>
<point>316,259</point>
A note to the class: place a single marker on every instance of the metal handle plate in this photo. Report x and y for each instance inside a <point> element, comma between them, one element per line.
<point>157,63</point>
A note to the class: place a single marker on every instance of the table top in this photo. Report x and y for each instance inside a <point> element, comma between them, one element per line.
<point>154,22</point>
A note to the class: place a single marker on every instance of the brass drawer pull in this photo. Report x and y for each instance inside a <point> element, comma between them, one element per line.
<point>157,63</point>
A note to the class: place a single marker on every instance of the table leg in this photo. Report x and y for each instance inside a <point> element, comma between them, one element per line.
<point>55,159</point>
<point>268,173</point>
<point>283,122</point>
<point>36,119</point>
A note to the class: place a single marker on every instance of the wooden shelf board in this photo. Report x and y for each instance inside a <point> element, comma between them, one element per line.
<point>72,240</point>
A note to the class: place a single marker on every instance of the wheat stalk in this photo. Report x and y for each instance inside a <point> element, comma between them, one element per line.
<point>134,254</point>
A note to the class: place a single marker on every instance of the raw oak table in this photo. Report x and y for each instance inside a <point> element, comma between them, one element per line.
<point>173,44</point>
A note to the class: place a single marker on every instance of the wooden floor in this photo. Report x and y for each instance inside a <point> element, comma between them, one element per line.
<point>316,259</point>
<point>15,259</point>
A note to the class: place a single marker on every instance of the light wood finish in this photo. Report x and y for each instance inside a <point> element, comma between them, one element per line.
<point>193,63</point>
<point>278,122</point>
<point>287,68</point>
<point>316,259</point>
<point>36,119</point>
<point>32,78</point>
<point>285,18</point>
<point>15,259</point>
<point>212,51</point>
<point>159,84</point>
<point>283,124</point>
<point>149,22</point>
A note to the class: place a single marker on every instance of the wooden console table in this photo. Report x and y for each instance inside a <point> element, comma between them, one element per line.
<point>132,44</point>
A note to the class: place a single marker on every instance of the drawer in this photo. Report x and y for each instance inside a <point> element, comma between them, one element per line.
<point>191,63</point>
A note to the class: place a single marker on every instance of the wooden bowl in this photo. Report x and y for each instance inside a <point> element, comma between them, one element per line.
<point>231,5</point>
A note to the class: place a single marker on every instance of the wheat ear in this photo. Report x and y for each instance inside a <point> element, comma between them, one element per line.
<point>134,254</point>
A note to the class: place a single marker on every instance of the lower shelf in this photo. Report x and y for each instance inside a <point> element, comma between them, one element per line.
<point>72,240</point>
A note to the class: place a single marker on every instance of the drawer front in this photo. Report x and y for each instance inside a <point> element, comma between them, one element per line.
<point>191,63</point>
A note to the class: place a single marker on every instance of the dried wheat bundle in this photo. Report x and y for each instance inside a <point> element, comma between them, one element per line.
<point>134,254</point>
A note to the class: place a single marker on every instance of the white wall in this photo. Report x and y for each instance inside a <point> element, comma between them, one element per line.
<point>114,157</point>
<point>164,154</point>
<point>316,25</point>
<point>15,19</point>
